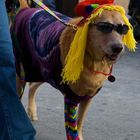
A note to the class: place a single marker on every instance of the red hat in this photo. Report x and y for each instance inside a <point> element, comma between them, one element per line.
<point>81,8</point>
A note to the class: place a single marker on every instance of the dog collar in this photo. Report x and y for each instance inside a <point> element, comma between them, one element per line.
<point>111,78</point>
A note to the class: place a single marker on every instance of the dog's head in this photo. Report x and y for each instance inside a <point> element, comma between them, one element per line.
<point>103,33</point>
<point>105,36</point>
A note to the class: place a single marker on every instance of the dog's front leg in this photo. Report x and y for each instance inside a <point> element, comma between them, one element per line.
<point>32,109</point>
<point>83,107</point>
<point>20,86</point>
<point>71,108</point>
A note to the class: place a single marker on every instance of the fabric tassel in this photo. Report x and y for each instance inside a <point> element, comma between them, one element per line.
<point>75,57</point>
<point>129,39</point>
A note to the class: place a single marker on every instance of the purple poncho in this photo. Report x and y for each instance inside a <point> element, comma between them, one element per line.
<point>38,33</point>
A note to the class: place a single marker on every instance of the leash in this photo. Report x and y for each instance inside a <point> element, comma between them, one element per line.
<point>42,5</point>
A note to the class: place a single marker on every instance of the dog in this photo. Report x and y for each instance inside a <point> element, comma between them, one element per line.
<point>106,39</point>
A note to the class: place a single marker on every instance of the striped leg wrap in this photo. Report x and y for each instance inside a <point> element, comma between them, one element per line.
<point>71,119</point>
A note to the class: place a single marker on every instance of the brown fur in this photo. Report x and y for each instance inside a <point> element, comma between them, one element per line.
<point>99,46</point>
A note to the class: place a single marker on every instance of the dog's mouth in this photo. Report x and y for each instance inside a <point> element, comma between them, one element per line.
<point>113,57</point>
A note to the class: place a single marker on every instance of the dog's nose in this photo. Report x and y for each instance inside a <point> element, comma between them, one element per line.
<point>117,48</point>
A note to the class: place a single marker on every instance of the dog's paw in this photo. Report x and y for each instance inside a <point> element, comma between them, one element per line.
<point>32,115</point>
<point>81,138</point>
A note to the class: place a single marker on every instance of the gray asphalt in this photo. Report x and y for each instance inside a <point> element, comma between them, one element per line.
<point>113,115</point>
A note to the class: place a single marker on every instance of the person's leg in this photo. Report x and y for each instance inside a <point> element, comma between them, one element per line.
<point>66,7</point>
<point>14,123</point>
<point>50,4</point>
<point>69,6</point>
<point>134,12</point>
<point>59,5</point>
<point>134,7</point>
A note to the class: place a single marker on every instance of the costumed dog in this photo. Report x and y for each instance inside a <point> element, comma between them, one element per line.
<point>76,60</point>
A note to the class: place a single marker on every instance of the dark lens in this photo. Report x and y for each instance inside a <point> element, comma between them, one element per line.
<point>122,29</point>
<point>105,27</point>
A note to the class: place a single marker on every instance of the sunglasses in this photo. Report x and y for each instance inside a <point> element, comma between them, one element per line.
<point>106,27</point>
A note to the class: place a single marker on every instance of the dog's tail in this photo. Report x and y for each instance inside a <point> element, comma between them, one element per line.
<point>23,4</point>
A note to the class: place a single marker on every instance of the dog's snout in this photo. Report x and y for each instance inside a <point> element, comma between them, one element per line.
<point>117,48</point>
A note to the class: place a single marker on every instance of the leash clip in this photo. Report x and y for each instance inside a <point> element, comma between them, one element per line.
<point>75,27</point>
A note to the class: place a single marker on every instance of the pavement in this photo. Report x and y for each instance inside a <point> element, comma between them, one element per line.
<point>113,115</point>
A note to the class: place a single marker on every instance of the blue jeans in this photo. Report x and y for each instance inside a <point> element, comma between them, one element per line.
<point>14,122</point>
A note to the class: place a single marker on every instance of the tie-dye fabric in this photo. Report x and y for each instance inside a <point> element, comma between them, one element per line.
<point>38,35</point>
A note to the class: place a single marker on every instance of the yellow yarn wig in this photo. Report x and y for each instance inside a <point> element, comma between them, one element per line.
<point>74,60</point>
